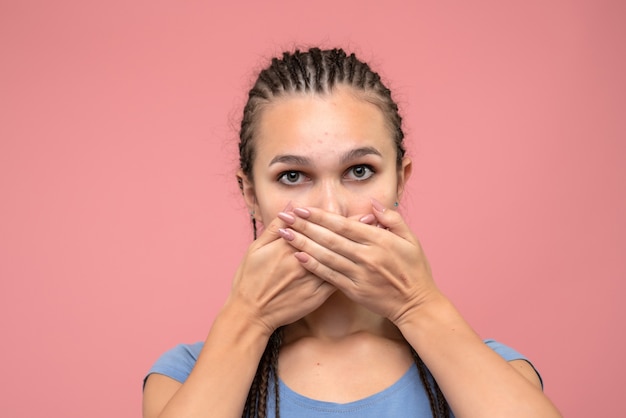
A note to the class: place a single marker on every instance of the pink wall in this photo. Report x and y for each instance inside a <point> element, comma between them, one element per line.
<point>121,224</point>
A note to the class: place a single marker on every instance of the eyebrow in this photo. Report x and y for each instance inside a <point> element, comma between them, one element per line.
<point>291,159</point>
<point>358,153</point>
<point>305,161</point>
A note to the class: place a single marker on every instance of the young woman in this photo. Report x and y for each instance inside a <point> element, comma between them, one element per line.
<point>333,310</point>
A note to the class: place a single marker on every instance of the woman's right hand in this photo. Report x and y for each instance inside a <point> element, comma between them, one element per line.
<point>271,287</point>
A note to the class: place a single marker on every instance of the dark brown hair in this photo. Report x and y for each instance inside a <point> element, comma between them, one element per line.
<point>315,71</point>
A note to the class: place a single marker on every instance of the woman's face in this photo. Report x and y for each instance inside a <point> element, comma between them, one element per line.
<point>333,152</point>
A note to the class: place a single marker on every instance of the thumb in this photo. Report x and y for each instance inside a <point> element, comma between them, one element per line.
<point>270,232</point>
<point>391,220</point>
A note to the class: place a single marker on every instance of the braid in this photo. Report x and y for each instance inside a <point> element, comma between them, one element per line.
<point>249,409</point>
<point>295,79</point>
<point>299,66</point>
<point>316,55</point>
<point>275,348</point>
<point>351,64</point>
<point>331,64</point>
<point>438,404</point>
<point>256,403</point>
<point>280,74</point>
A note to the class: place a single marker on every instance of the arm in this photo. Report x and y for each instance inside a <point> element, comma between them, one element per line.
<point>385,270</point>
<point>270,289</point>
<point>225,369</point>
<point>476,381</point>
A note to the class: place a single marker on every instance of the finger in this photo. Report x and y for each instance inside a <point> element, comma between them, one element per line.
<point>368,219</point>
<point>322,292</point>
<point>270,232</point>
<point>325,237</point>
<point>391,220</point>
<point>331,253</point>
<point>309,220</point>
<point>333,277</point>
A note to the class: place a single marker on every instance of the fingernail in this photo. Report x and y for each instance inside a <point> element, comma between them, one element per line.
<point>289,207</point>
<point>377,205</point>
<point>286,234</point>
<point>287,218</point>
<point>301,212</point>
<point>367,219</point>
<point>301,257</point>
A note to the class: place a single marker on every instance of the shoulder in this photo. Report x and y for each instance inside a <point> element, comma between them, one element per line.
<point>517,360</point>
<point>506,352</point>
<point>177,362</point>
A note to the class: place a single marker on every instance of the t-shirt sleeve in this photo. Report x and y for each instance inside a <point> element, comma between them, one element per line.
<point>510,354</point>
<point>177,362</point>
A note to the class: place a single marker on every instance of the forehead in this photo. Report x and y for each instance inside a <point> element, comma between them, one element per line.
<point>321,124</point>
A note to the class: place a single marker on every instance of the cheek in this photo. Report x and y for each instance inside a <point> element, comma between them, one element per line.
<point>385,191</point>
<point>268,210</point>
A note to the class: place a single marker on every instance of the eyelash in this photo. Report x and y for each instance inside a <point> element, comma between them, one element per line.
<point>282,177</point>
<point>369,173</point>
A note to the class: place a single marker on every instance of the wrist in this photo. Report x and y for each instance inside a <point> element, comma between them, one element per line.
<point>241,317</point>
<point>433,312</point>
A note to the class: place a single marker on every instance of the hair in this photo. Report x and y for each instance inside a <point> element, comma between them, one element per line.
<point>315,71</point>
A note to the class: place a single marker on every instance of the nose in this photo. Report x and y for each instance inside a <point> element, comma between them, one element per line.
<point>331,197</point>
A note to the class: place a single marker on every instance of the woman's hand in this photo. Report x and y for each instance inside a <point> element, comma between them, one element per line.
<point>271,287</point>
<point>382,268</point>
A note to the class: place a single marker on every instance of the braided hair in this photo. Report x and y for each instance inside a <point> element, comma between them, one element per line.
<point>316,71</point>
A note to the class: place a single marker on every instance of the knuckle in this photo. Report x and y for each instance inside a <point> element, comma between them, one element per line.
<point>370,258</point>
<point>303,226</point>
<point>330,241</point>
<point>331,275</point>
<point>342,226</point>
<point>372,263</point>
<point>331,259</point>
<point>302,243</point>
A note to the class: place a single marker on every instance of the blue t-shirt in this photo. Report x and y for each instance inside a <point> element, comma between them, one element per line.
<point>405,398</point>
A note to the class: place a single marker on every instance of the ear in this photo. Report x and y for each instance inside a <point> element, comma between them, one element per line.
<point>247,190</point>
<point>403,175</point>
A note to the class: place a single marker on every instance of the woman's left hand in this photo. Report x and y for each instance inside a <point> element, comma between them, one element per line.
<point>380,267</point>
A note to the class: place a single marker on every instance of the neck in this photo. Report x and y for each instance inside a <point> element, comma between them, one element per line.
<point>339,317</point>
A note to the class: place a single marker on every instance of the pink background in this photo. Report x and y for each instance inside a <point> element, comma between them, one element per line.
<point>121,224</point>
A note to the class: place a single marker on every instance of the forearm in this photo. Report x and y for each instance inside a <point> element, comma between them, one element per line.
<point>219,383</point>
<point>475,380</point>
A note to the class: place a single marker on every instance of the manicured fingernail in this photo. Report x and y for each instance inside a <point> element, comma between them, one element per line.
<point>301,257</point>
<point>377,205</point>
<point>287,218</point>
<point>286,234</point>
<point>367,219</point>
<point>301,212</point>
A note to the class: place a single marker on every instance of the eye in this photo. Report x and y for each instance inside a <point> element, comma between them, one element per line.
<point>291,178</point>
<point>360,172</point>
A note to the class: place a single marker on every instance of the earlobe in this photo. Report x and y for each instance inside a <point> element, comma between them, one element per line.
<point>403,175</point>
